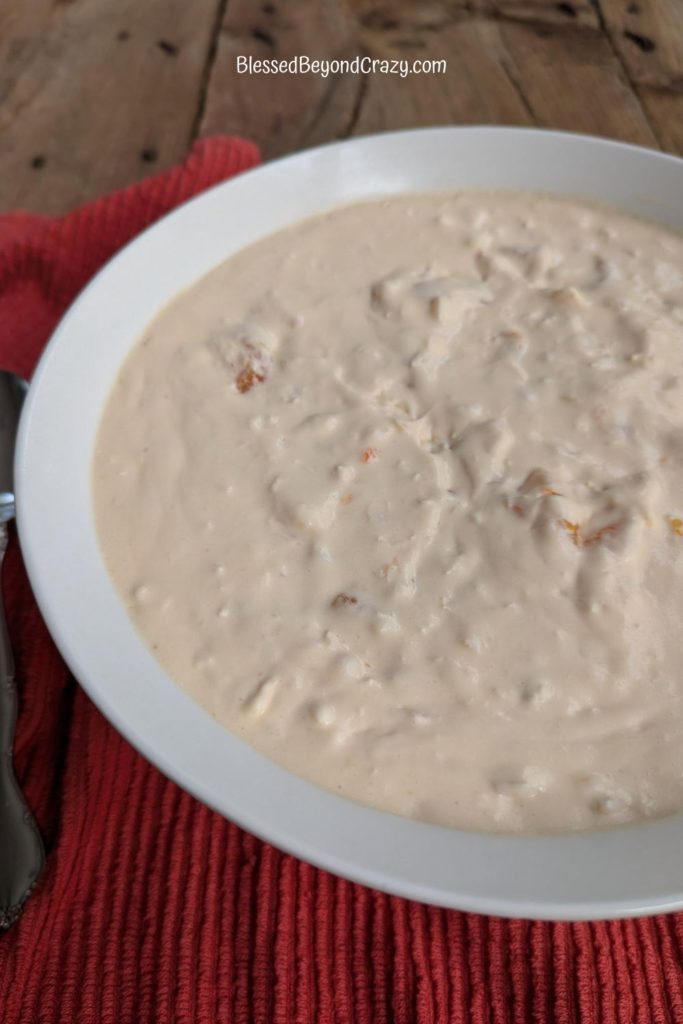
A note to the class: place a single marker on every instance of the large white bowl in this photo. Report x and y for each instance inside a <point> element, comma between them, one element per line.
<point>629,870</point>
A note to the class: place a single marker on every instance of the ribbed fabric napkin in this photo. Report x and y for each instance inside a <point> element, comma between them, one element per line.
<point>154,909</point>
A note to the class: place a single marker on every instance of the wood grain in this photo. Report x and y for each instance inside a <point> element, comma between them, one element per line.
<point>512,62</point>
<point>285,112</point>
<point>509,62</point>
<point>648,37</point>
<point>94,96</point>
<point>476,88</point>
<point>569,73</point>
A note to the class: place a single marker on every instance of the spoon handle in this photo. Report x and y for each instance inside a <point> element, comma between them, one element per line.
<point>21,848</point>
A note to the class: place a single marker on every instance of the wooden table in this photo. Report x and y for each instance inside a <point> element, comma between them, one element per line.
<point>95,94</point>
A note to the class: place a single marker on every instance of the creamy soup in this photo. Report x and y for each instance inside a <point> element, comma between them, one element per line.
<point>397,495</point>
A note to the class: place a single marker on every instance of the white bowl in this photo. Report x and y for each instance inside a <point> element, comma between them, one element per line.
<point>630,870</point>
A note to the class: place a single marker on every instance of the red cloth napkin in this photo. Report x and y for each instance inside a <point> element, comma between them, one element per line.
<point>154,909</point>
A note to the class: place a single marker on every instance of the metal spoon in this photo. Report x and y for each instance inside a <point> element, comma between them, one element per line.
<point>21,848</point>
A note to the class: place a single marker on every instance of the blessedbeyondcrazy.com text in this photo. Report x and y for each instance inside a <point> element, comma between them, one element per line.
<point>303,65</point>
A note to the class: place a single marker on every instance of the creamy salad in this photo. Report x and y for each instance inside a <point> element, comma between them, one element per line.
<point>397,495</point>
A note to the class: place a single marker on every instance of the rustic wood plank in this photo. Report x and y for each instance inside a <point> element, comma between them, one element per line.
<point>476,87</point>
<point>558,66</point>
<point>94,96</point>
<point>509,62</point>
<point>648,36</point>
<point>285,112</point>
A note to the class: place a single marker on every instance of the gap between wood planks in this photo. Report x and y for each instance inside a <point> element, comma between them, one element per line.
<point>623,65</point>
<point>208,68</point>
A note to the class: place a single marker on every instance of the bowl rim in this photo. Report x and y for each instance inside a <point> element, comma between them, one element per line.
<point>620,872</point>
